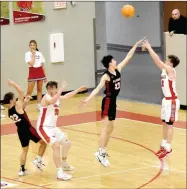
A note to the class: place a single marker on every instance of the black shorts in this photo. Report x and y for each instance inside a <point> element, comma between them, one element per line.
<point>109,108</point>
<point>25,135</point>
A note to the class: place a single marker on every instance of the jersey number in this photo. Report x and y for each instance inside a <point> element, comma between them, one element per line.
<point>15,118</point>
<point>117,86</point>
<point>162,83</point>
<point>56,111</point>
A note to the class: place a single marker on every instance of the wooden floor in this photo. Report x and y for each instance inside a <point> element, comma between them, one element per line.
<point>131,149</point>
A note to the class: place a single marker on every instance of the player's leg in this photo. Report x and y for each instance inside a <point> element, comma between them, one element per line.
<point>109,115</point>
<point>101,154</point>
<point>66,145</point>
<point>171,117</point>
<point>106,132</point>
<point>57,160</point>
<point>164,127</point>
<point>36,138</point>
<point>39,92</point>
<point>48,135</point>
<point>23,158</point>
<point>24,140</point>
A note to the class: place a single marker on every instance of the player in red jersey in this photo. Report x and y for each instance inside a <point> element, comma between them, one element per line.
<point>170,102</point>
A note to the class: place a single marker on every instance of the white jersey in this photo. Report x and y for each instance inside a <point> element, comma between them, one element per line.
<point>39,59</point>
<point>168,86</point>
<point>48,115</point>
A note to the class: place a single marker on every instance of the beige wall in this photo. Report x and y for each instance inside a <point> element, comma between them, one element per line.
<point>77,25</point>
<point>177,45</point>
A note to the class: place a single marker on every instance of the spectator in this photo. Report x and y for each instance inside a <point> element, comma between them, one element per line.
<point>177,23</point>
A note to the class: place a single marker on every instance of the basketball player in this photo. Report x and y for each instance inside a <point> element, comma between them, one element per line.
<point>170,102</point>
<point>49,132</point>
<point>16,111</point>
<point>112,82</point>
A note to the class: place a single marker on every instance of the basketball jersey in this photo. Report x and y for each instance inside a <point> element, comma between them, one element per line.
<point>21,120</point>
<point>168,86</point>
<point>49,115</point>
<point>113,86</point>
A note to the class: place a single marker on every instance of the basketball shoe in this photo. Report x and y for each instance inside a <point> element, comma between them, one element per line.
<point>102,158</point>
<point>164,154</point>
<point>63,176</point>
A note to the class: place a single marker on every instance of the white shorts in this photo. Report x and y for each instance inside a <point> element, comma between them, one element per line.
<point>169,111</point>
<point>51,134</point>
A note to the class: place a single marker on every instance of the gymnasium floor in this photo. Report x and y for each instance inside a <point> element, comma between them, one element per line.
<point>131,149</point>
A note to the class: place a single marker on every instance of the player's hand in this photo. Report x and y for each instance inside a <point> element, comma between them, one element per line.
<point>140,41</point>
<point>171,33</point>
<point>82,88</point>
<point>10,82</point>
<point>28,98</point>
<point>146,44</point>
<point>64,85</point>
<point>33,51</point>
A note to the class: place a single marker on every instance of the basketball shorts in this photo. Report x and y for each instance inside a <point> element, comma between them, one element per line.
<point>169,111</point>
<point>108,108</point>
<point>51,134</point>
<point>25,135</point>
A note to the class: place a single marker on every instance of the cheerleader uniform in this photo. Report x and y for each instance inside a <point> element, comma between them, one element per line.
<point>36,71</point>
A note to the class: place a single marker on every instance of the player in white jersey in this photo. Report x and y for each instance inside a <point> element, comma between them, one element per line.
<point>49,132</point>
<point>170,102</point>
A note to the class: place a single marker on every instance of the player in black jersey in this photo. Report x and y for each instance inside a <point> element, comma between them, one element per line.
<point>111,79</point>
<point>26,132</point>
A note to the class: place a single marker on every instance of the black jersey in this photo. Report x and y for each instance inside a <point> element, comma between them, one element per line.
<point>21,120</point>
<point>113,86</point>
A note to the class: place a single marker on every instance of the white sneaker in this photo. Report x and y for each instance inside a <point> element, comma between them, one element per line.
<point>67,167</point>
<point>2,107</point>
<point>102,158</point>
<point>38,164</point>
<point>22,173</point>
<point>63,176</point>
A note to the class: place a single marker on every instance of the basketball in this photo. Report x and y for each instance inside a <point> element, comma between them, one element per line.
<point>128,11</point>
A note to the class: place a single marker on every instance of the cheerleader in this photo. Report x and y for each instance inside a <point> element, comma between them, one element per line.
<point>35,61</point>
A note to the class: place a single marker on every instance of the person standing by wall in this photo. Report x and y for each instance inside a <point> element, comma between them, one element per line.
<point>177,23</point>
<point>35,60</point>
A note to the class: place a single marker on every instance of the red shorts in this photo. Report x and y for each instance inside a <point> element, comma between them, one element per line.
<point>36,74</point>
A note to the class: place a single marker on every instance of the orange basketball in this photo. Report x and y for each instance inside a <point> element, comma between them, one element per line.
<point>128,11</point>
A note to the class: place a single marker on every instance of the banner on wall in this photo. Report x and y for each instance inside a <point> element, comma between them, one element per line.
<point>60,5</point>
<point>28,11</point>
<point>5,20</point>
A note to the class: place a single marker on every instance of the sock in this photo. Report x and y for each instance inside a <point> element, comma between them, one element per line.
<point>164,142</point>
<point>59,169</point>
<point>168,147</point>
<point>102,150</point>
<point>23,168</point>
<point>64,160</point>
<point>39,105</point>
<point>39,158</point>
